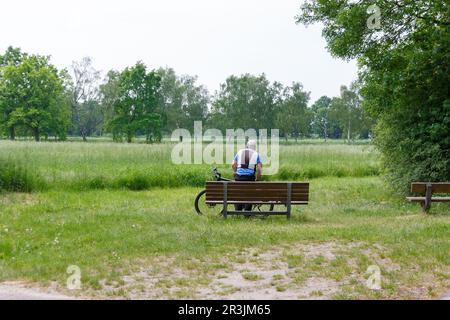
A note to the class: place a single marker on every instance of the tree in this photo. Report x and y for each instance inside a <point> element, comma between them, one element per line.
<point>182,100</point>
<point>135,109</point>
<point>402,50</point>
<point>12,56</point>
<point>195,100</point>
<point>32,96</point>
<point>347,112</point>
<point>171,97</point>
<point>109,96</point>
<point>293,116</point>
<point>321,117</point>
<point>86,114</point>
<point>247,102</point>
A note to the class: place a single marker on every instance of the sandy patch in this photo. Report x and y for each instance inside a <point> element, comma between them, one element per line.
<point>298,271</point>
<point>22,291</point>
<point>287,272</point>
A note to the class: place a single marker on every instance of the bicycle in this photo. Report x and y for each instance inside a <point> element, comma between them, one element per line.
<point>202,208</point>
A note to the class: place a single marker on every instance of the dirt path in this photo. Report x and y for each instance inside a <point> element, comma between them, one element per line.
<point>295,271</point>
<point>18,291</point>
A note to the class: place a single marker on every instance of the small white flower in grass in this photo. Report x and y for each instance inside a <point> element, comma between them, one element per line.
<point>115,255</point>
<point>56,241</point>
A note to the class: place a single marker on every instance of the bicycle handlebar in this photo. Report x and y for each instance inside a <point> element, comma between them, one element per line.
<point>218,176</point>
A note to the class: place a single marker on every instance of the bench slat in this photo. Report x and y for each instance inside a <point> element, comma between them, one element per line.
<point>253,202</point>
<point>249,197</point>
<point>260,184</point>
<point>257,213</point>
<point>265,199</point>
<point>257,186</point>
<point>255,192</point>
<point>433,199</point>
<point>437,187</point>
<point>256,189</point>
<point>255,195</point>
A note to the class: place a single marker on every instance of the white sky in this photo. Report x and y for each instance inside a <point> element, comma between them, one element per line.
<point>208,38</point>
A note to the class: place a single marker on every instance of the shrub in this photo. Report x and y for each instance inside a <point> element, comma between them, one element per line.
<point>134,182</point>
<point>16,178</point>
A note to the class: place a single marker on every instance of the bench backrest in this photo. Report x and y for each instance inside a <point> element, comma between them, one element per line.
<point>437,187</point>
<point>256,192</point>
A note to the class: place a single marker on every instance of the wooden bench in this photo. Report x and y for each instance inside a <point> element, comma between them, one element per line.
<point>257,193</point>
<point>428,189</point>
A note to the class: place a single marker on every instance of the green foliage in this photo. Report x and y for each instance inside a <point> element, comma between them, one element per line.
<point>136,103</point>
<point>182,101</point>
<point>321,117</point>
<point>414,132</point>
<point>87,114</point>
<point>293,116</point>
<point>405,76</point>
<point>247,102</point>
<point>348,115</point>
<point>32,98</point>
<point>12,56</point>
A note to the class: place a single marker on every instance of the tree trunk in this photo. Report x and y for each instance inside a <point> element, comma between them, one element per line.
<point>349,131</point>
<point>12,133</point>
<point>36,135</point>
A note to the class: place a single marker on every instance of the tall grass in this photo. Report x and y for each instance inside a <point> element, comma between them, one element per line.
<point>27,166</point>
<point>16,177</point>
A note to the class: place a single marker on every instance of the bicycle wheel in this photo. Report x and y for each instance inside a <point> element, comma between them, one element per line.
<point>206,209</point>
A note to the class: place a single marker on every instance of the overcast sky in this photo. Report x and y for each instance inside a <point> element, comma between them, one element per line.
<point>212,39</point>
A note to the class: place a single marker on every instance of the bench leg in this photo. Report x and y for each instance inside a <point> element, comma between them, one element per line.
<point>225,199</point>
<point>427,203</point>
<point>289,197</point>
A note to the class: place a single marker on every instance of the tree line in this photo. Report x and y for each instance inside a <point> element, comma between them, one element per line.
<point>38,100</point>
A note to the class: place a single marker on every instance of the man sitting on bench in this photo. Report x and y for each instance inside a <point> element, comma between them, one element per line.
<point>247,166</point>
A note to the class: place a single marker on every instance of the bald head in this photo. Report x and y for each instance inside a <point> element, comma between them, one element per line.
<point>251,144</point>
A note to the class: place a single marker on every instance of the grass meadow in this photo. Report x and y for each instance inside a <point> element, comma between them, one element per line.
<point>124,214</point>
<point>28,166</point>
